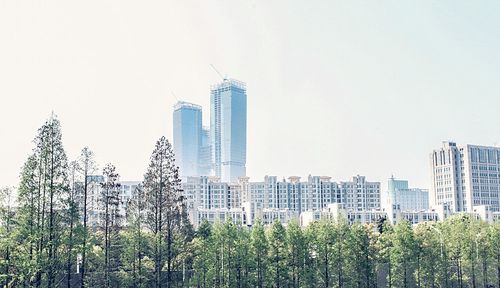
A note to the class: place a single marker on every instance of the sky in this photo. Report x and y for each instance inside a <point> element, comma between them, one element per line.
<point>335,88</point>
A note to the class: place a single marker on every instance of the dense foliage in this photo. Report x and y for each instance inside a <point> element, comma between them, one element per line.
<point>44,236</point>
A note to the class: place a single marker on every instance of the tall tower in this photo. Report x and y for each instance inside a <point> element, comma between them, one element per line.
<point>187,138</point>
<point>228,129</point>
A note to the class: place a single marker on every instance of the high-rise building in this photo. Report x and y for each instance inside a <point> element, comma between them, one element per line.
<point>228,129</point>
<point>465,176</point>
<point>405,199</point>
<point>187,138</point>
<point>205,160</point>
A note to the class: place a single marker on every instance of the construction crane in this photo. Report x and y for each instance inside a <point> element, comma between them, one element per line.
<point>217,71</point>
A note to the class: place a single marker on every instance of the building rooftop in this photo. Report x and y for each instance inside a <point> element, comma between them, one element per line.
<point>182,104</point>
<point>229,83</point>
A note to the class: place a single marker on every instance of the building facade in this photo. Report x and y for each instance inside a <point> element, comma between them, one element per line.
<point>205,154</point>
<point>273,199</point>
<point>465,176</point>
<point>187,130</point>
<point>228,129</point>
<point>406,199</point>
<point>95,200</point>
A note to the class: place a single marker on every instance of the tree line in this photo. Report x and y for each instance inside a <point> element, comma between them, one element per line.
<point>46,241</point>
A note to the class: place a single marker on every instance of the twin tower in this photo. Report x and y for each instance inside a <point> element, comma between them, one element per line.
<point>219,150</point>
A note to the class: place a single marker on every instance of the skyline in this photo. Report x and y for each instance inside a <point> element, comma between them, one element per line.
<point>336,89</point>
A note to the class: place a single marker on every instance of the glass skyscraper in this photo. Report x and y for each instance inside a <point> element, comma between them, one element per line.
<point>228,129</point>
<point>205,161</point>
<point>187,138</point>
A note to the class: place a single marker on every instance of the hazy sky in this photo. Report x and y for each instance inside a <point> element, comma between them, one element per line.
<point>335,88</point>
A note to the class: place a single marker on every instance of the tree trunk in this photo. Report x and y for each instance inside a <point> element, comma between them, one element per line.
<point>84,246</point>
<point>70,249</point>
<point>51,221</point>
<point>106,238</point>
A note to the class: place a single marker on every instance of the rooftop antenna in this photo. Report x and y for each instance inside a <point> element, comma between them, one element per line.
<point>173,94</point>
<point>217,71</point>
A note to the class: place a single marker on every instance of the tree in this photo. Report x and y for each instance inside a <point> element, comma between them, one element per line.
<point>87,166</point>
<point>44,189</point>
<point>71,218</point>
<point>402,252</point>
<point>164,209</point>
<point>429,255</point>
<point>29,220</point>
<point>384,248</point>
<point>202,245</point>
<point>260,248</point>
<point>456,245</point>
<point>494,239</point>
<point>136,240</point>
<point>297,249</point>
<point>360,257</point>
<point>55,161</point>
<point>325,237</point>
<point>110,204</point>
<point>7,224</point>
<point>278,255</point>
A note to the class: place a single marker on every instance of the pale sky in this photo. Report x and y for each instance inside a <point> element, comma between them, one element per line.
<point>335,88</point>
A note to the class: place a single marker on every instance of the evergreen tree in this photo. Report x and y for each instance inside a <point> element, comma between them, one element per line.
<point>7,226</point>
<point>43,192</point>
<point>429,256</point>
<point>259,248</point>
<point>135,237</point>
<point>402,252</point>
<point>28,218</point>
<point>110,220</point>
<point>494,240</point>
<point>202,245</point>
<point>71,221</point>
<point>278,255</point>
<point>164,207</point>
<point>86,165</point>
<point>297,250</point>
<point>360,264</point>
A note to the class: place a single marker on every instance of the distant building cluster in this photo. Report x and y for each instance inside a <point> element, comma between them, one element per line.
<point>212,163</point>
<point>221,149</point>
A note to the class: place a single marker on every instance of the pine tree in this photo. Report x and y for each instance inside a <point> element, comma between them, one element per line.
<point>402,252</point>
<point>137,242</point>
<point>202,245</point>
<point>28,218</point>
<point>278,255</point>
<point>260,247</point>
<point>325,237</point>
<point>297,248</point>
<point>44,188</point>
<point>86,165</point>
<point>110,204</point>
<point>7,226</point>
<point>71,219</point>
<point>494,240</point>
<point>164,207</point>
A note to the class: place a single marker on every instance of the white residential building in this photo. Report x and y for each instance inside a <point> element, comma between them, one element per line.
<point>95,208</point>
<point>272,199</point>
<point>465,176</point>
